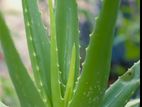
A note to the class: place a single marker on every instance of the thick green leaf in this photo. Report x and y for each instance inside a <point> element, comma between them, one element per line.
<point>2,105</point>
<point>55,82</point>
<point>133,103</point>
<point>70,83</point>
<point>67,34</point>
<point>121,91</point>
<point>39,47</point>
<point>93,82</point>
<point>24,86</point>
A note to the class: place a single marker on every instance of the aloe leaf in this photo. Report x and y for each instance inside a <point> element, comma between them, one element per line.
<point>93,81</point>
<point>67,35</point>
<point>2,105</point>
<point>121,91</point>
<point>24,86</point>
<point>39,47</point>
<point>70,83</point>
<point>133,103</point>
<point>55,82</point>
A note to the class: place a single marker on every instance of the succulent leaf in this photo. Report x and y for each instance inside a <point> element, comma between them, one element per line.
<point>67,35</point>
<point>93,81</point>
<point>119,93</point>
<point>23,84</point>
<point>70,83</point>
<point>55,82</point>
<point>39,47</point>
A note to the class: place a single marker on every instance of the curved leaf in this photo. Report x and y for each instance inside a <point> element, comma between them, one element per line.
<point>24,86</point>
<point>93,81</point>
<point>119,93</point>
<point>39,47</point>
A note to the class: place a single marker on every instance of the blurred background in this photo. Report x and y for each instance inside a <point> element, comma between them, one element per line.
<point>126,46</point>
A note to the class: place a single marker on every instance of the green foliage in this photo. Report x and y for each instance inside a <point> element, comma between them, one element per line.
<point>38,47</point>
<point>55,59</point>
<point>24,86</point>
<point>97,59</point>
<point>129,83</point>
<point>66,16</point>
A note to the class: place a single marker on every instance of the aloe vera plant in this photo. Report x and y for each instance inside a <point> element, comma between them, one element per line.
<point>56,59</point>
